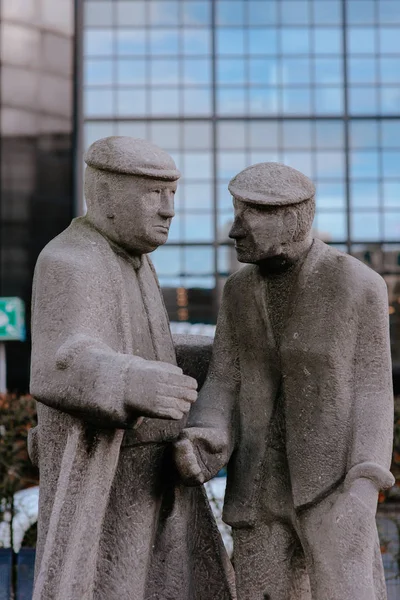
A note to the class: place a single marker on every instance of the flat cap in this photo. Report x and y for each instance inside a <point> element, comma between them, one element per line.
<point>271,184</point>
<point>131,156</point>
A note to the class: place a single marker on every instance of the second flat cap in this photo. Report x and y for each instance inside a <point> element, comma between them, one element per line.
<point>131,156</point>
<point>271,184</point>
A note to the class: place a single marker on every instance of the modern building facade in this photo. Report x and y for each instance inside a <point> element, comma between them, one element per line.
<point>223,84</point>
<point>36,147</point>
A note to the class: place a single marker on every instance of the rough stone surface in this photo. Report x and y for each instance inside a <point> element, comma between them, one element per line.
<point>298,404</point>
<point>114,520</point>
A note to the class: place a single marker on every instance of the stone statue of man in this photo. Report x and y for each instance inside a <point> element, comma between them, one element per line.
<point>297,402</point>
<point>114,522</point>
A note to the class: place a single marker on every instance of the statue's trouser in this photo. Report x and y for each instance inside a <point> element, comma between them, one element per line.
<point>319,554</point>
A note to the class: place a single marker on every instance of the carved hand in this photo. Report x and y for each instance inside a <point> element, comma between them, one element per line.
<point>200,453</point>
<point>159,390</point>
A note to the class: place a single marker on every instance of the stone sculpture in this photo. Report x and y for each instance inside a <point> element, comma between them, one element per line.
<point>114,521</point>
<point>297,402</point>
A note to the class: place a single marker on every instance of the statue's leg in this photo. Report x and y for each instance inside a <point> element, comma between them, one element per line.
<point>264,559</point>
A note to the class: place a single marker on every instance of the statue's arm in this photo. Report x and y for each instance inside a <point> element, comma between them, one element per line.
<point>372,426</point>
<point>209,438</point>
<point>75,367</point>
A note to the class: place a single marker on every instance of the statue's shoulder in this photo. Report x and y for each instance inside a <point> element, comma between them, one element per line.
<point>241,279</point>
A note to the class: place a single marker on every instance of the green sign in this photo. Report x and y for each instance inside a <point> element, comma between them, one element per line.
<point>12,319</point>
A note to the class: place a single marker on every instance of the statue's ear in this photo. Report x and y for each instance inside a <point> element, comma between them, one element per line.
<point>104,198</point>
<point>291,222</point>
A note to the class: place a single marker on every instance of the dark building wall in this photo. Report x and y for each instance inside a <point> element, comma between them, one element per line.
<point>36,144</point>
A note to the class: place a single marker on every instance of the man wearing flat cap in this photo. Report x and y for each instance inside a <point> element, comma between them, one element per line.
<point>297,402</point>
<point>114,522</point>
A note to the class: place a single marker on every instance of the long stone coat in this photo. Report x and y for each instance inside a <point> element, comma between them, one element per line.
<point>114,523</point>
<point>334,365</point>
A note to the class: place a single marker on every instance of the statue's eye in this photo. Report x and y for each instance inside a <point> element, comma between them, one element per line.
<point>156,191</point>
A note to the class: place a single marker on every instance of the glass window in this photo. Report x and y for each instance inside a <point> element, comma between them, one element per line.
<point>230,164</point>
<point>263,134</point>
<point>361,40</point>
<point>165,101</point>
<point>196,71</point>
<point>165,135</point>
<point>390,100</point>
<point>198,196</point>
<point>390,132</point>
<point>229,13</point>
<point>196,13</point>
<point>198,228</point>
<point>230,41</point>
<point>364,164</point>
<point>164,41</point>
<point>360,13</point>
<point>389,11</point>
<point>224,198</point>
<point>167,261</point>
<point>265,156</point>
<point>362,100</point>
<point>263,41</point>
<point>391,194</point>
<point>98,13</point>
<point>131,72</point>
<point>163,13</point>
<point>132,128</point>
<point>295,12</point>
<point>295,40</point>
<point>164,71</point>
<point>263,71</point>
<point>196,41</point>
<point>131,102</point>
<point>328,71</point>
<point>225,221</point>
<point>199,261</point>
<point>198,165</point>
<point>297,134</point>
<point>98,42</point>
<point>98,103</point>
<point>296,70</point>
<point>365,194</point>
<point>390,70</point>
<point>390,163</point>
<point>390,40</point>
<point>230,70</point>
<point>362,70</point>
<point>327,12</point>
<point>329,134</point>
<point>97,130</point>
<point>130,41</point>
<point>197,102</point>
<point>197,136</point>
<point>231,134</point>
<point>328,40</point>
<point>330,165</point>
<point>330,196</point>
<point>98,72</point>
<point>391,225</point>
<point>130,12</point>
<point>262,13</point>
<point>302,161</point>
<point>363,134</point>
<point>365,226</point>
<point>264,101</point>
<point>231,101</point>
<point>175,231</point>
<point>330,227</point>
<point>296,101</point>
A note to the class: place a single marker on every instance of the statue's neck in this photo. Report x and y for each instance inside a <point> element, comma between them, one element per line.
<point>285,262</point>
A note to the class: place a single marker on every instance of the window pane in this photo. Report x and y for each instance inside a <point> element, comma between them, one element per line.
<point>131,102</point>
<point>230,164</point>
<point>390,70</point>
<point>130,41</point>
<point>264,101</point>
<point>196,71</point>
<point>361,40</point>
<point>131,72</point>
<point>197,136</point>
<point>328,40</point>
<point>330,195</point>
<point>231,135</point>
<point>327,12</point>
<point>329,134</point>
<point>198,165</point>
<point>165,102</point>
<point>391,194</point>
<point>365,226</point>
<point>329,165</point>
<point>262,13</point>
<point>198,196</point>
<point>198,228</point>
<point>263,71</point>
<point>98,13</point>
<point>263,135</point>
<point>229,13</point>
<point>296,70</point>
<point>365,194</point>
<point>230,70</point>
<point>362,100</point>
<point>390,40</point>
<point>224,202</point>
<point>364,134</point>
<point>130,13</point>
<point>390,131</point>
<point>302,161</point>
<point>165,12</point>
<point>390,100</point>
<point>364,164</point>
<point>390,163</point>
<point>295,12</point>
<point>297,101</point>
<point>263,41</point>
<point>196,41</point>
<point>362,70</point>
<point>167,261</point>
<point>297,134</point>
<point>264,156</point>
<point>295,40</point>
<point>196,13</point>
<point>328,71</point>
<point>199,261</point>
<point>197,102</point>
<point>165,135</point>
<point>95,131</point>
<point>164,71</point>
<point>389,11</point>
<point>360,12</point>
<point>98,72</point>
<point>330,227</point>
<point>98,102</point>
<point>98,42</point>
<point>231,101</point>
<point>230,41</point>
<point>164,41</point>
<point>391,226</point>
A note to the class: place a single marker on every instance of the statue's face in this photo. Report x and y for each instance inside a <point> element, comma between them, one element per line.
<point>260,232</point>
<point>142,212</point>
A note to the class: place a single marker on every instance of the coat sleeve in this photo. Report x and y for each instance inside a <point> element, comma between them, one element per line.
<point>213,414</point>
<point>76,366</point>
<point>373,400</point>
